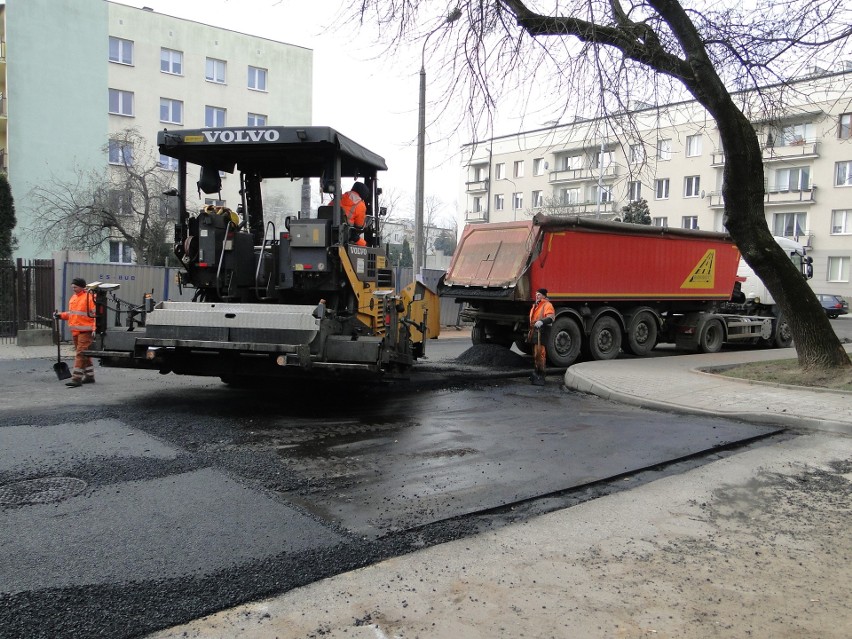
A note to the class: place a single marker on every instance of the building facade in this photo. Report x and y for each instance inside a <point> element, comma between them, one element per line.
<point>75,74</point>
<point>671,157</point>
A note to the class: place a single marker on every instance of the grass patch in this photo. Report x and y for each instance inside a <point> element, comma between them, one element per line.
<point>787,371</point>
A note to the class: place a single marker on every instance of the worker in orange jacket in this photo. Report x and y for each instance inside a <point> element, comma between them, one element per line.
<point>542,315</point>
<point>81,320</point>
<point>354,207</point>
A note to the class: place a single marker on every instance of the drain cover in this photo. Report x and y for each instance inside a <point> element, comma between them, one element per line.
<point>45,490</point>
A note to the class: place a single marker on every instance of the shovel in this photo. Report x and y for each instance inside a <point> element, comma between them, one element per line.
<point>60,367</point>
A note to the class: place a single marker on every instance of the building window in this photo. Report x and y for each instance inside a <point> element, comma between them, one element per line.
<point>605,194</point>
<point>120,153</point>
<point>538,166</point>
<point>693,145</point>
<point>689,222</point>
<point>789,224</point>
<point>171,61</point>
<point>517,201</point>
<point>634,191</point>
<point>477,204</point>
<point>841,222</point>
<point>171,111</point>
<point>843,174</point>
<point>660,221</point>
<point>168,163</point>
<point>791,135</point>
<point>214,116</point>
<point>120,50</point>
<point>637,154</point>
<point>257,78</point>
<point>664,149</point>
<point>569,196</point>
<point>602,160</point>
<point>838,269</point>
<point>256,119</point>
<point>120,253</point>
<point>537,199</point>
<point>215,71</point>
<point>661,189</point>
<point>500,170</point>
<point>691,185</point>
<point>119,203</point>
<point>519,168</point>
<point>121,102</point>
<point>572,162</point>
<point>844,130</point>
<point>792,179</point>
<point>499,202</point>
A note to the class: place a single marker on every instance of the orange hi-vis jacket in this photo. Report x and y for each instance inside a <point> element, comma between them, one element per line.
<point>354,209</point>
<point>541,310</point>
<point>81,313</point>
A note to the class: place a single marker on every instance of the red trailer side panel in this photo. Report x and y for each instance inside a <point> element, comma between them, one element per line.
<point>586,263</point>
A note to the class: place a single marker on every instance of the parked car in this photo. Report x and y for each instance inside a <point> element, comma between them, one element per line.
<point>834,305</point>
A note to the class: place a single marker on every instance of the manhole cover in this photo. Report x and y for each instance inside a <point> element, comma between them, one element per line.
<point>45,490</point>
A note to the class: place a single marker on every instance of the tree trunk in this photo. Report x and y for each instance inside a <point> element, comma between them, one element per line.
<point>817,345</point>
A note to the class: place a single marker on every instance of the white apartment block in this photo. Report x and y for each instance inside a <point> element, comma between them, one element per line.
<point>671,157</point>
<point>74,74</point>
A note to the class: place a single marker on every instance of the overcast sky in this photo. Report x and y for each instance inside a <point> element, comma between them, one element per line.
<point>384,119</point>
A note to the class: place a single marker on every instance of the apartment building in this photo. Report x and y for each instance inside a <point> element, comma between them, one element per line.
<point>671,157</point>
<point>74,74</point>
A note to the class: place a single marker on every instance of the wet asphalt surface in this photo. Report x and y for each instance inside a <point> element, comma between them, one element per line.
<point>152,500</point>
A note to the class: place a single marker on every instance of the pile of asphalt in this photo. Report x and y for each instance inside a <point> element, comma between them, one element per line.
<point>493,356</point>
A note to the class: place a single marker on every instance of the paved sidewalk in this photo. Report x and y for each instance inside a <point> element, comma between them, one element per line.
<point>678,384</point>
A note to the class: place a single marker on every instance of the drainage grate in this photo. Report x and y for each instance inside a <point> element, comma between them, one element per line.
<point>45,490</point>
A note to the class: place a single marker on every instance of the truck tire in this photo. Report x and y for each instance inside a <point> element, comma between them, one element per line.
<point>564,342</point>
<point>490,333</point>
<point>642,334</point>
<point>605,338</point>
<point>477,333</point>
<point>783,337</point>
<point>712,337</point>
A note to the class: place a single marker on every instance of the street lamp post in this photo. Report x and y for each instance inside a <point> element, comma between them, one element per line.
<point>419,252</point>
<point>419,243</point>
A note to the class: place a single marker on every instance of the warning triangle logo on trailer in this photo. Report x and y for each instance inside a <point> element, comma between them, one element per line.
<point>704,273</point>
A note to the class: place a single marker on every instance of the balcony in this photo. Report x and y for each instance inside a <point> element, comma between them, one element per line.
<point>578,175</point>
<point>477,186</point>
<point>789,153</point>
<point>583,209</point>
<point>476,216</point>
<point>773,197</point>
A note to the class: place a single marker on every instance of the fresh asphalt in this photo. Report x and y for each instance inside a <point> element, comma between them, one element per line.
<point>389,599</point>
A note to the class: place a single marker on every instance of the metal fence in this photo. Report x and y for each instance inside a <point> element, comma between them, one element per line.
<point>26,296</point>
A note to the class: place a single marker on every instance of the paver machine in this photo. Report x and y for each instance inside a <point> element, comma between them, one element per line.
<point>300,301</point>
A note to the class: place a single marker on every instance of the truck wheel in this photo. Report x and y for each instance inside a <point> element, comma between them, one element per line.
<point>642,334</point>
<point>605,338</point>
<point>783,334</point>
<point>477,333</point>
<point>564,343</point>
<point>712,337</point>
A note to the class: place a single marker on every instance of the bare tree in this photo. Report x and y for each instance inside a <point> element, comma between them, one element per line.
<point>124,202</point>
<point>612,49</point>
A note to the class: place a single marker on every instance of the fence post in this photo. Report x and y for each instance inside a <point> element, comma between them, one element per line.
<point>20,296</point>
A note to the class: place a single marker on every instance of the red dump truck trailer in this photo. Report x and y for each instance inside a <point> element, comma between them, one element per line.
<point>614,287</point>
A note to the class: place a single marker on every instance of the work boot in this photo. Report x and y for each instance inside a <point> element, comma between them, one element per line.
<point>74,383</point>
<point>88,380</point>
<point>538,379</point>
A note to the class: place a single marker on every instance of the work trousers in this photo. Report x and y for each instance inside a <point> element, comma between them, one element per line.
<point>84,367</point>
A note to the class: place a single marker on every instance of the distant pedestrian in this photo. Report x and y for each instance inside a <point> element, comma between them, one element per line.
<point>81,320</point>
<point>541,316</point>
